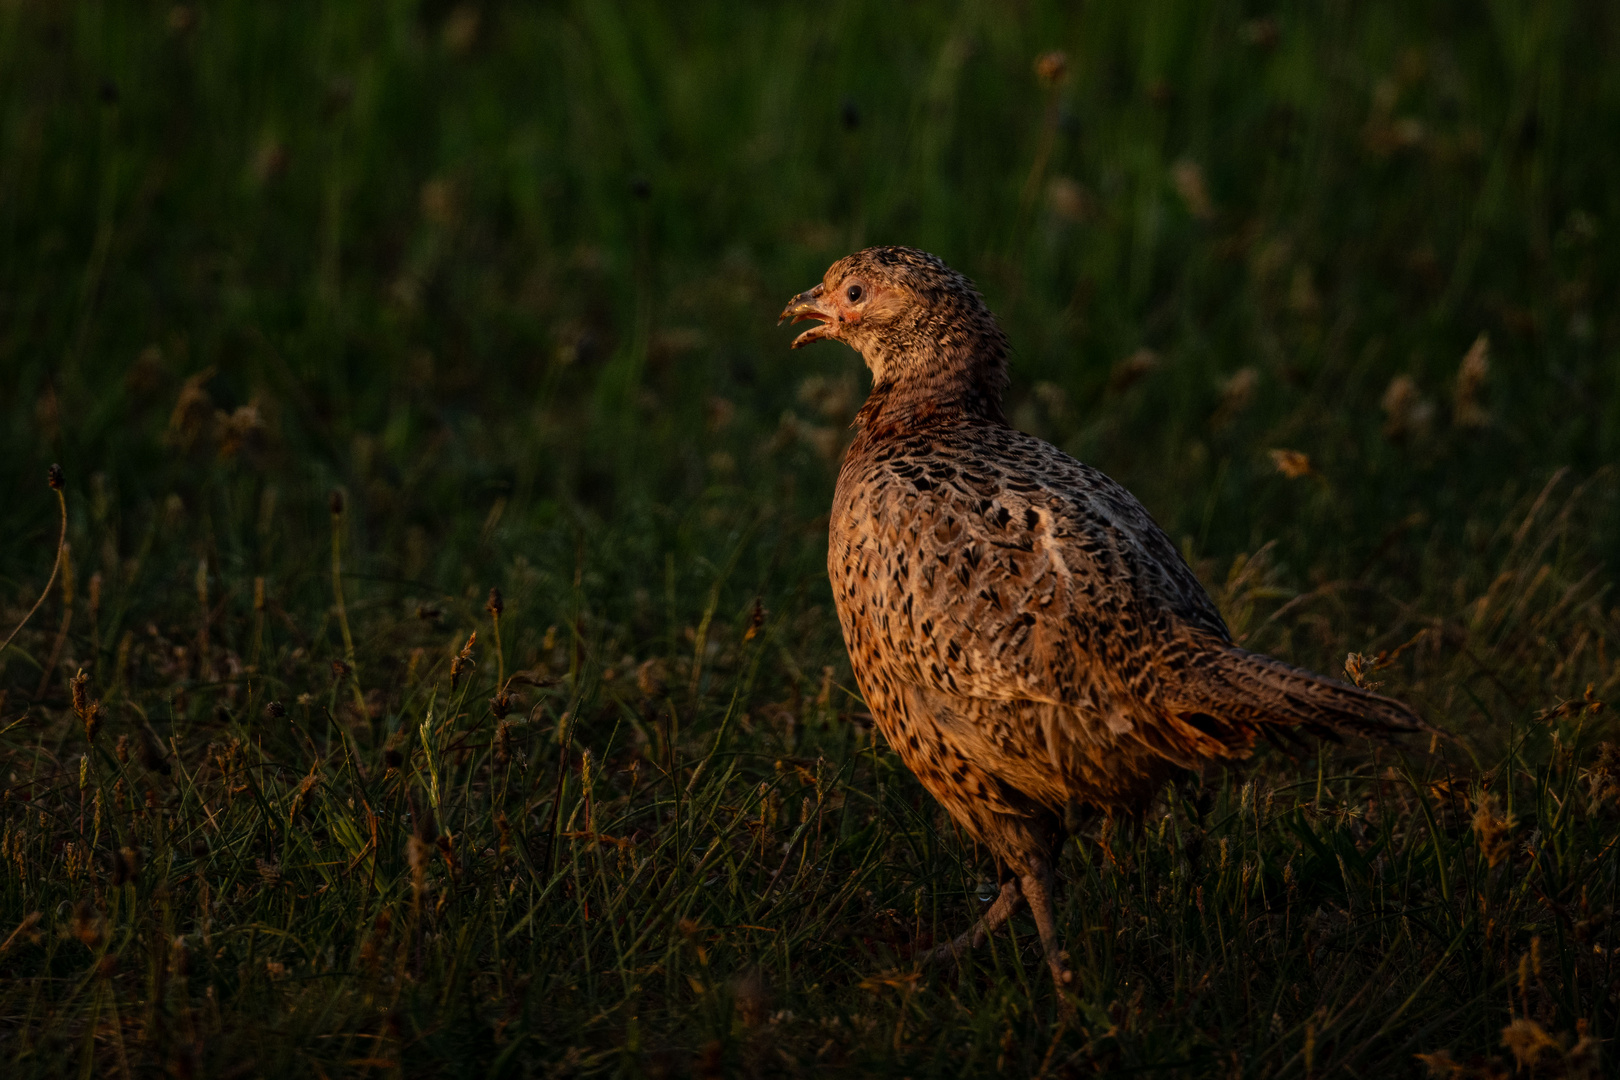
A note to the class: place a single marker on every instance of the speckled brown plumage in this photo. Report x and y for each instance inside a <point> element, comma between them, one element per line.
<point>1027,638</point>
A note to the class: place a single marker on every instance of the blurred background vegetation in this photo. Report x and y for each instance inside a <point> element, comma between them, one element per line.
<point>1332,287</point>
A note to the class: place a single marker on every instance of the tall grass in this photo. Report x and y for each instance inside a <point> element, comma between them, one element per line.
<point>339,318</point>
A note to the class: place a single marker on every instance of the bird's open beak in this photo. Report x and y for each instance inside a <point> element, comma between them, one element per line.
<point>808,305</point>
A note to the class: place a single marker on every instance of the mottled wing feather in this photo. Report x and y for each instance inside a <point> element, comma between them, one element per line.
<point>996,567</point>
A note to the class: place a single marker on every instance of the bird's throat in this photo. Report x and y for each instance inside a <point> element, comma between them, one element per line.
<point>908,404</point>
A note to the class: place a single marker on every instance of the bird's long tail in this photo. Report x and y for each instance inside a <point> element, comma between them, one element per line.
<point>1230,696</point>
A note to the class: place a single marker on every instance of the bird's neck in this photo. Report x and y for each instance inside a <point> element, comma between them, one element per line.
<point>915,401</point>
<point>931,370</point>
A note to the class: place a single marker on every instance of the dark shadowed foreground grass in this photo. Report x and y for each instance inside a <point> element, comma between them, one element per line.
<point>553,858</point>
<point>341,316</point>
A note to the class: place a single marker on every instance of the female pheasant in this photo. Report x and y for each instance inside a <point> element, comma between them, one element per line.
<point>1028,640</point>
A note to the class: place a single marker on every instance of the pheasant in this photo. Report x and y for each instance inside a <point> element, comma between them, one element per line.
<point>1027,638</point>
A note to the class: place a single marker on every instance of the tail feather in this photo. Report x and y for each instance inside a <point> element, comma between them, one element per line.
<point>1232,696</point>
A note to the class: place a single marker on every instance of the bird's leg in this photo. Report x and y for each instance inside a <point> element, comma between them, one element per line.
<point>1038,884</point>
<point>996,914</point>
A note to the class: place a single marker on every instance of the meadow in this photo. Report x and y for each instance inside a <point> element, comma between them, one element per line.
<point>439,676</point>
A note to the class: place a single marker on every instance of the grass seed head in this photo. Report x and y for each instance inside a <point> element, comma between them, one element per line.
<point>652,678</point>
<point>1527,1041</point>
<point>462,662</point>
<point>1291,463</point>
<point>1470,409</point>
<point>1052,68</point>
<point>126,866</point>
<point>1407,412</point>
<point>86,708</point>
<point>89,925</point>
<point>1493,829</point>
<point>1188,177</point>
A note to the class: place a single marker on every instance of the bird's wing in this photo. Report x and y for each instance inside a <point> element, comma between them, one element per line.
<point>997,567</point>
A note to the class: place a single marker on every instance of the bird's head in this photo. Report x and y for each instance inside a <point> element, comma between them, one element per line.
<point>916,322</point>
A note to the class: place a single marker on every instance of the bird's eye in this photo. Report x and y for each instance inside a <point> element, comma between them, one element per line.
<point>854,294</point>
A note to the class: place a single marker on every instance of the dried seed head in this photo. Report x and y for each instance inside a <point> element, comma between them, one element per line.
<point>504,828</point>
<point>462,661</point>
<point>1493,830</point>
<point>81,693</point>
<point>501,705</point>
<point>1528,1041</point>
<point>121,749</point>
<point>1237,394</point>
<point>126,866</point>
<point>1406,411</point>
<point>335,502</point>
<point>340,670</point>
<point>1133,369</point>
<point>495,605</point>
<point>458,667</point>
<point>1357,667</point>
<point>1471,375</point>
<point>275,710</point>
<point>54,477</point>
<point>1188,177</point>
<point>88,925</point>
<point>1291,463</point>
<point>1052,68</point>
<point>652,678</point>
<point>756,620</point>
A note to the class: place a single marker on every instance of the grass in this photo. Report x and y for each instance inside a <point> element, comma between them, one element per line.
<point>339,318</point>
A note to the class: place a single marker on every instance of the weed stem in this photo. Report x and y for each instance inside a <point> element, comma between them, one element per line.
<point>54,477</point>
